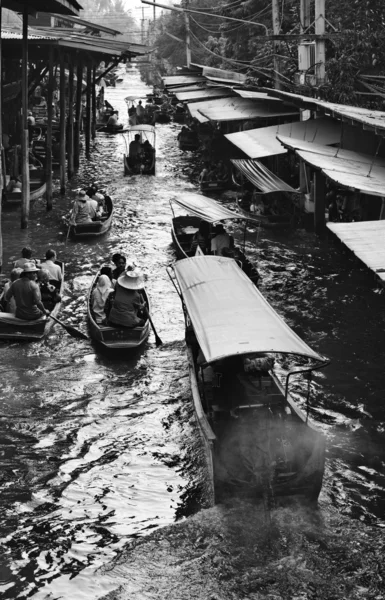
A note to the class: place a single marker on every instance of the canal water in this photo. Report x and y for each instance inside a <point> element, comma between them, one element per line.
<point>100,448</point>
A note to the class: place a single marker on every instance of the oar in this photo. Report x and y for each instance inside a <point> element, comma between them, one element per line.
<point>75,333</point>
<point>158,341</point>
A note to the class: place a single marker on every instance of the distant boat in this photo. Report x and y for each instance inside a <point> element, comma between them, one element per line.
<point>94,228</point>
<point>146,166</point>
<point>37,190</point>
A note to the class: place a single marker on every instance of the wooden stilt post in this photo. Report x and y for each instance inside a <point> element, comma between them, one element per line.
<point>62,125</point>
<point>319,201</point>
<point>2,174</point>
<point>48,152</point>
<point>93,103</point>
<point>78,112</point>
<point>71,119</point>
<point>25,192</point>
<point>88,110</point>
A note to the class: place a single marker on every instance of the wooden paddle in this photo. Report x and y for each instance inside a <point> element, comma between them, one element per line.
<point>158,341</point>
<point>75,333</point>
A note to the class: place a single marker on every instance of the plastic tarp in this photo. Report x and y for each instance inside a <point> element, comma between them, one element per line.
<point>349,169</point>
<point>205,208</point>
<point>228,313</point>
<point>262,142</point>
<point>245,109</point>
<point>213,92</point>
<point>261,177</point>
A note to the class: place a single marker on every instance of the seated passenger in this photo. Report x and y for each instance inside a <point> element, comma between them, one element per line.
<point>135,149</point>
<point>10,307</point>
<point>120,263</point>
<point>49,264</point>
<point>128,305</point>
<point>204,173</point>
<point>27,295</point>
<point>221,171</point>
<point>148,153</point>
<point>82,212</point>
<point>106,270</point>
<point>201,238</point>
<point>99,297</point>
<point>49,294</point>
<point>257,206</point>
<point>220,241</point>
<point>26,254</point>
<point>113,121</point>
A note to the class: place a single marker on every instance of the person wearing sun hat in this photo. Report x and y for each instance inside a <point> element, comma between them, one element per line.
<point>26,293</point>
<point>128,301</point>
<point>81,209</point>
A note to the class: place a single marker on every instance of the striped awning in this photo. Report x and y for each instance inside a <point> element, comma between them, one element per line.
<point>261,177</point>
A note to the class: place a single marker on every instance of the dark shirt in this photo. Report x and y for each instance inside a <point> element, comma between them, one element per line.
<point>27,296</point>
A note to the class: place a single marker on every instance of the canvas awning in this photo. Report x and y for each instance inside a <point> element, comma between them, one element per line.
<point>229,315</point>
<point>194,107</point>
<point>353,170</point>
<point>261,177</point>
<point>245,109</point>
<point>262,142</point>
<point>196,95</point>
<point>215,74</point>
<point>205,208</point>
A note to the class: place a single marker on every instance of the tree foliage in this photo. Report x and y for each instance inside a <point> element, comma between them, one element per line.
<point>356,50</point>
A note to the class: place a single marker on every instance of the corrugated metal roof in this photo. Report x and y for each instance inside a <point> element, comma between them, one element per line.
<point>195,107</point>
<point>254,95</point>
<point>373,119</point>
<point>229,315</point>
<point>223,75</point>
<point>181,79</point>
<point>352,170</point>
<point>246,109</point>
<point>366,240</point>
<point>65,7</point>
<point>93,26</point>
<point>197,95</point>
<point>258,143</point>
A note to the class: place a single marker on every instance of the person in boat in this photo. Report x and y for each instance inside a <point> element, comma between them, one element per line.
<point>221,240</point>
<point>201,238</point>
<point>27,295</point>
<point>221,173</point>
<point>148,153</point>
<point>26,257</point>
<point>107,270</point>
<point>257,206</point>
<point>120,263</point>
<point>10,307</point>
<point>135,150</point>
<point>113,121</point>
<point>128,306</point>
<point>49,293</point>
<point>14,185</point>
<point>140,112</point>
<point>49,265</point>
<point>82,212</point>
<point>183,134</point>
<point>204,174</point>
<point>100,293</point>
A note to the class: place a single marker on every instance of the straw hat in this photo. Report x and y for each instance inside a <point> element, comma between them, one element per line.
<point>82,195</point>
<point>30,267</point>
<point>132,280</point>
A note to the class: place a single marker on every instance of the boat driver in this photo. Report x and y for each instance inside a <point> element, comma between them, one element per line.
<point>135,149</point>
<point>27,295</point>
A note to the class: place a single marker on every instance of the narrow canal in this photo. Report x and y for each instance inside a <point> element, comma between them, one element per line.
<point>96,448</point>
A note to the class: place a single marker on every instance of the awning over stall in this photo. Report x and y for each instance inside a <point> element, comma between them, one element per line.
<point>366,240</point>
<point>196,95</point>
<point>229,315</point>
<point>261,177</point>
<point>353,170</point>
<point>205,208</point>
<point>181,80</point>
<point>262,142</point>
<point>194,107</point>
<point>245,109</point>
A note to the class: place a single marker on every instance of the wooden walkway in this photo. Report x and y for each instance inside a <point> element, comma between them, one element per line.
<point>367,240</point>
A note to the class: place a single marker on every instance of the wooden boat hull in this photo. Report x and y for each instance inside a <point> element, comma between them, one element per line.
<point>186,144</point>
<point>37,190</point>
<point>270,450</point>
<point>117,337</point>
<point>213,186</point>
<point>266,221</point>
<point>182,232</point>
<point>95,228</point>
<point>111,130</point>
<point>12,328</point>
<point>129,170</point>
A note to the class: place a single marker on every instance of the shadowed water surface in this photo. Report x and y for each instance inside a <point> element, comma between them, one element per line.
<point>99,448</point>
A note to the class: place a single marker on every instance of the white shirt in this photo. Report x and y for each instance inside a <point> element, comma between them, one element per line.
<point>54,270</point>
<point>220,241</point>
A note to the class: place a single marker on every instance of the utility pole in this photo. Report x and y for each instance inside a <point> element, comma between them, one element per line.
<point>188,40</point>
<point>277,44</point>
<point>319,18</point>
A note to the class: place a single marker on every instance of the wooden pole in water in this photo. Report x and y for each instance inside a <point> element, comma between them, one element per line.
<point>78,112</point>
<point>62,124</point>
<point>88,110</point>
<point>48,151</point>
<point>93,103</point>
<point>2,175</point>
<point>25,192</point>
<point>71,119</point>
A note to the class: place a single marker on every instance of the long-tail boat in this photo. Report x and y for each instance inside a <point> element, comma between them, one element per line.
<point>94,228</point>
<point>258,440</point>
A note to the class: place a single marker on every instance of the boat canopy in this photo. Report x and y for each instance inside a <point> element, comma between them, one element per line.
<point>205,208</point>
<point>139,128</point>
<point>260,176</point>
<point>229,315</point>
